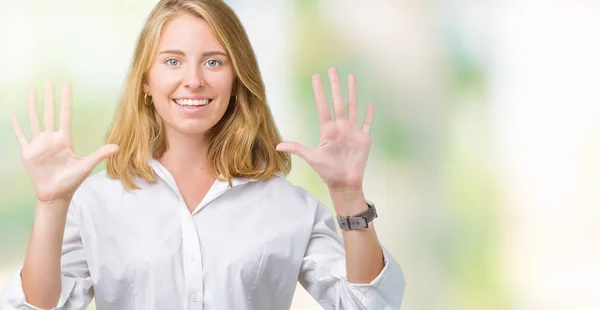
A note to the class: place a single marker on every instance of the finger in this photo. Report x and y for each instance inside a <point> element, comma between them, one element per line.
<point>366,125</point>
<point>65,109</point>
<point>352,99</point>
<point>321,101</point>
<point>49,106</point>
<point>99,155</point>
<point>294,148</point>
<point>336,92</point>
<point>18,131</point>
<point>34,120</point>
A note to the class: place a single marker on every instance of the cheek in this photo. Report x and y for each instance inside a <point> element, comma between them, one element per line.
<point>162,82</point>
<point>222,83</point>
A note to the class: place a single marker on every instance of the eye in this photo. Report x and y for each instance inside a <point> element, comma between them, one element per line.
<point>172,62</point>
<point>213,62</point>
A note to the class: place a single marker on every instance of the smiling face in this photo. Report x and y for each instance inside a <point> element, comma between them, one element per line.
<point>191,77</point>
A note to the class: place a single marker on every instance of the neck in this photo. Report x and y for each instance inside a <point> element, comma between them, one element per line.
<point>185,154</point>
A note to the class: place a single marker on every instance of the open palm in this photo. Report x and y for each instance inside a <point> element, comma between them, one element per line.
<point>54,169</point>
<point>341,156</point>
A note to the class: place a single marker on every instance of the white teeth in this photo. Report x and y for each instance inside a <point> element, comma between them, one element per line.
<point>192,102</point>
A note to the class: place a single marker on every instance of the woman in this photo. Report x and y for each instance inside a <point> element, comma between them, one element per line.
<point>193,210</point>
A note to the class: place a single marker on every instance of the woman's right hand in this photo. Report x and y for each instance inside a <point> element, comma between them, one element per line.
<point>53,167</point>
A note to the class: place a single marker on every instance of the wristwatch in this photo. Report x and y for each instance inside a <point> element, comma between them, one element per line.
<point>359,221</point>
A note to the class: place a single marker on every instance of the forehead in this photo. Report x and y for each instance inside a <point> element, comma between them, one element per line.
<point>188,33</point>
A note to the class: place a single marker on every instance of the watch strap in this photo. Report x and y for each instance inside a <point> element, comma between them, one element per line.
<point>359,221</point>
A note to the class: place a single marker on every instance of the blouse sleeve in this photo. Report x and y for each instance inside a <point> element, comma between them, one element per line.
<point>323,272</point>
<point>76,285</point>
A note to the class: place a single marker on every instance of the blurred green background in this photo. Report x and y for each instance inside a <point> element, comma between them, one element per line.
<point>471,102</point>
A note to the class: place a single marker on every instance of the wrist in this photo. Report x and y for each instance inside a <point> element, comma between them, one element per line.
<point>348,202</point>
<point>54,201</point>
<point>49,221</point>
<point>52,207</point>
<point>346,193</point>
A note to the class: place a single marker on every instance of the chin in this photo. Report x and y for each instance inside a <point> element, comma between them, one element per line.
<point>195,126</point>
<point>194,130</point>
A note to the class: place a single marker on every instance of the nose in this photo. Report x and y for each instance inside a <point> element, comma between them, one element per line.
<point>193,78</point>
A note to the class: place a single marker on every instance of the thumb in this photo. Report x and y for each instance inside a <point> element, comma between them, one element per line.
<point>294,148</point>
<point>100,154</point>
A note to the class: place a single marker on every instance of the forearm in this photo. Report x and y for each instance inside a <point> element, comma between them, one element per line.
<point>41,273</point>
<point>364,256</point>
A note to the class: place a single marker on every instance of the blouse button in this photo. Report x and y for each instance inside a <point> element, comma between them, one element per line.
<point>195,298</point>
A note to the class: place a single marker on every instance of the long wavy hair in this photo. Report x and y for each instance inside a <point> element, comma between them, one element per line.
<point>241,144</point>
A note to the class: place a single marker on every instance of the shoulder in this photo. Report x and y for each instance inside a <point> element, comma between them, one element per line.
<point>295,201</point>
<point>100,181</point>
<point>98,186</point>
<point>279,187</point>
<point>280,196</point>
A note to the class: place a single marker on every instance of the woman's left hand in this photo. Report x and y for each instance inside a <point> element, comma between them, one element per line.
<point>341,156</point>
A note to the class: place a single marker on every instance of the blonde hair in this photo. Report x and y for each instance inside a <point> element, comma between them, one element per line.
<point>241,144</point>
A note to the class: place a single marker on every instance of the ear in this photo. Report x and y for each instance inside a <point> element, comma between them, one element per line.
<point>146,86</point>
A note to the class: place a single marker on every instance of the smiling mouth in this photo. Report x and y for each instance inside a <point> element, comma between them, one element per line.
<point>192,103</point>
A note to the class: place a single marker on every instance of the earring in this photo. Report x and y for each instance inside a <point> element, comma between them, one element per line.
<point>146,101</point>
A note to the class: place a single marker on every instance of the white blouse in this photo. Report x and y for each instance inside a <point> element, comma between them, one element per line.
<point>243,247</point>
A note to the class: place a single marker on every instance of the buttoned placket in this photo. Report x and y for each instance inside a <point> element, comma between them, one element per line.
<point>191,243</point>
<point>192,262</point>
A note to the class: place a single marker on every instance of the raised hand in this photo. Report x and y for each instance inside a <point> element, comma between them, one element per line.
<point>341,156</point>
<point>54,169</point>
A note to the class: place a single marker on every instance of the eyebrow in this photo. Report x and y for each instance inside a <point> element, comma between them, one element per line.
<point>205,54</point>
